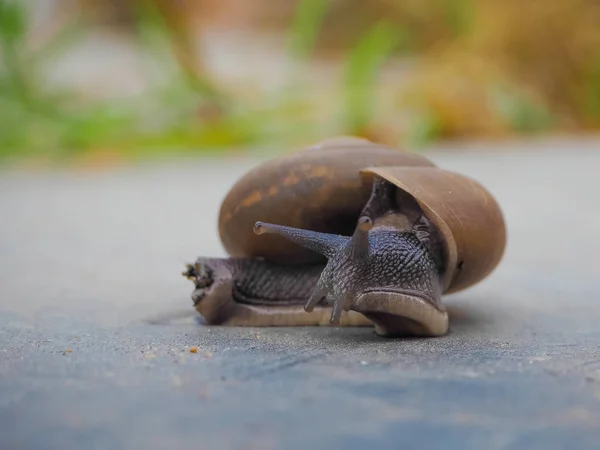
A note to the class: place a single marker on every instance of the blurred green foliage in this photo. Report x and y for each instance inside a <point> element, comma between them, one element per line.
<point>305,27</point>
<point>362,69</point>
<point>187,113</point>
<point>479,68</point>
<point>35,118</point>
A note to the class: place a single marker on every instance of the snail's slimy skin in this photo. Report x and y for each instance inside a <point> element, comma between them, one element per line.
<point>248,292</point>
<point>390,277</point>
<point>251,292</point>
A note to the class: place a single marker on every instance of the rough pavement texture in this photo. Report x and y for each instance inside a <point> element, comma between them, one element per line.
<point>96,324</point>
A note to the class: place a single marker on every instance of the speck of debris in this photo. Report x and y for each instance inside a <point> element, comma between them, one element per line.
<point>194,349</point>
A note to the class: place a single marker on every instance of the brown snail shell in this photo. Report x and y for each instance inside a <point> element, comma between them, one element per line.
<point>319,188</point>
<point>324,188</point>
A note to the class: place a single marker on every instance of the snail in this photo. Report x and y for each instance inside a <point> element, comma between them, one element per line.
<point>348,232</point>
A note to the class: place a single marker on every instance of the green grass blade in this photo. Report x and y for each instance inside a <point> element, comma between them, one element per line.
<point>362,69</point>
<point>305,27</point>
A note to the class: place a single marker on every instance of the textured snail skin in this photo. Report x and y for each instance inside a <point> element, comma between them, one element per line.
<point>351,233</point>
<point>379,259</point>
<point>253,292</point>
<point>378,265</point>
<point>398,270</point>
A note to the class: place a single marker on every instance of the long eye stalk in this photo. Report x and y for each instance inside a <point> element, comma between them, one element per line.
<point>324,243</point>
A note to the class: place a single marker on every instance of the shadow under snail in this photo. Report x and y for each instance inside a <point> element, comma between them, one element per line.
<point>351,233</point>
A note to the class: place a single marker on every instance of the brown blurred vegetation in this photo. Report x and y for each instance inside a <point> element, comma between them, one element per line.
<point>547,52</point>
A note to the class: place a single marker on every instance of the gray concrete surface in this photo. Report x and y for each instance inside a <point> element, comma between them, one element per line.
<point>96,324</point>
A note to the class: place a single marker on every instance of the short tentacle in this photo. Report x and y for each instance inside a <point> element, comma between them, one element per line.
<point>356,255</point>
<point>359,243</point>
<point>319,292</point>
<point>336,313</point>
<point>324,243</point>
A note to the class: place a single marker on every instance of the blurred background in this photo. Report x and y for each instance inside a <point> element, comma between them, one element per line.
<point>96,321</point>
<point>113,80</point>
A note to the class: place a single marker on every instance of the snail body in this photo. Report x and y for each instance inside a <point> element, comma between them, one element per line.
<point>377,233</point>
